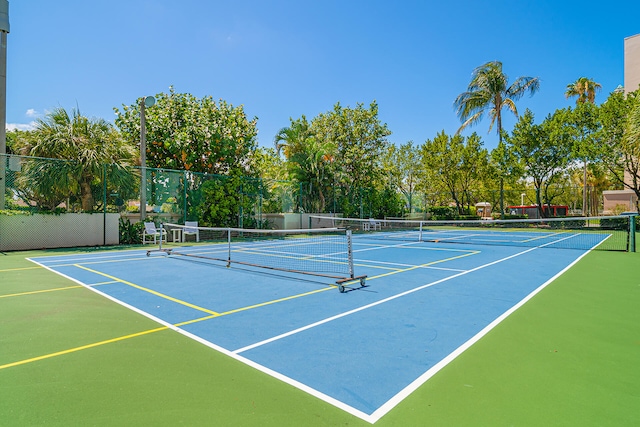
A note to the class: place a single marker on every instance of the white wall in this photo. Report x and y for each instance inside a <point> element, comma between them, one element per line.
<point>24,232</point>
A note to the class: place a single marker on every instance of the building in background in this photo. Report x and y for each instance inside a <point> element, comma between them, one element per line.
<point>625,200</point>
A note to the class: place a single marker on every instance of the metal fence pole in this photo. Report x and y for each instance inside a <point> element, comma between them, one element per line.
<point>632,233</point>
<point>4,30</point>
<point>104,205</point>
<point>184,193</point>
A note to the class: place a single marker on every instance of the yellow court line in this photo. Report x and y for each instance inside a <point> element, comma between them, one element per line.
<point>212,314</point>
<point>40,291</point>
<point>199,319</point>
<point>19,269</point>
<point>262,304</point>
<point>151,291</point>
<point>84,347</point>
<point>150,331</point>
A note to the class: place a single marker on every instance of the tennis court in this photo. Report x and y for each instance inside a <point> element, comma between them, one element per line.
<point>363,351</point>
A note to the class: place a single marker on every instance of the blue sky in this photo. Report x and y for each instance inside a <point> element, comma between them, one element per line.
<point>282,59</point>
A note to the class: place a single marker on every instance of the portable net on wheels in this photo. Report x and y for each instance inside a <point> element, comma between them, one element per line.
<point>325,252</point>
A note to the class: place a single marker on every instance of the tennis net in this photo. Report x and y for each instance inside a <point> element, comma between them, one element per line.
<point>604,233</point>
<point>325,252</point>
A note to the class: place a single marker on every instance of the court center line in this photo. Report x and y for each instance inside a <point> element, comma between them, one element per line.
<point>338,316</point>
<point>414,267</point>
<point>547,236</point>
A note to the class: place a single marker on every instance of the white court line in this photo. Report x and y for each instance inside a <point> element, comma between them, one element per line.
<point>374,304</point>
<point>400,396</point>
<point>360,262</point>
<point>133,254</point>
<point>390,404</point>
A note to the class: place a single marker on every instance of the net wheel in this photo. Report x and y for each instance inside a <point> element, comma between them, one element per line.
<point>341,288</point>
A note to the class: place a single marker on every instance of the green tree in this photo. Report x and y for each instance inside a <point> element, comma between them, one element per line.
<point>403,167</point>
<point>630,149</point>
<point>277,188</point>
<point>474,168</point>
<point>544,150</point>
<point>619,139</point>
<point>619,149</point>
<point>19,141</point>
<point>268,164</point>
<point>584,89</point>
<point>87,145</point>
<point>584,123</point>
<point>309,162</point>
<point>360,139</point>
<point>220,204</point>
<point>490,92</point>
<point>338,153</point>
<point>457,163</point>
<point>504,167</point>
<point>187,133</point>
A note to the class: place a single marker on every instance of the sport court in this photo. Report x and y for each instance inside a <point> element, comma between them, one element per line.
<point>363,350</point>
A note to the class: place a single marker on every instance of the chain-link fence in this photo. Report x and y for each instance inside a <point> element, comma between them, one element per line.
<point>38,185</point>
<point>53,186</point>
<point>574,200</point>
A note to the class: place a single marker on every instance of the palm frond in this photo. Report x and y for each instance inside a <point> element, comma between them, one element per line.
<point>489,92</point>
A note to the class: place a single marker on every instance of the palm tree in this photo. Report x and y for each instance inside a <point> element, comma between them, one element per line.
<point>311,166</point>
<point>584,89</point>
<point>88,145</point>
<point>490,92</point>
<point>293,139</point>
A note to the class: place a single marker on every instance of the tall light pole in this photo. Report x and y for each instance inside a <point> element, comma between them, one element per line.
<point>4,30</point>
<point>148,101</point>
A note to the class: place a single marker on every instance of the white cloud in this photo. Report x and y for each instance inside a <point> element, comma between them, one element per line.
<point>21,126</point>
<point>31,113</point>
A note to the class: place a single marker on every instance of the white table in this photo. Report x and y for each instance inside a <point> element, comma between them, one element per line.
<point>176,234</point>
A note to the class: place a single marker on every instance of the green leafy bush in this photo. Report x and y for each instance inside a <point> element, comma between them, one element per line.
<point>130,233</point>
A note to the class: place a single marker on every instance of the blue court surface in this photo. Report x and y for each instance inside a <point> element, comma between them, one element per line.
<point>363,350</point>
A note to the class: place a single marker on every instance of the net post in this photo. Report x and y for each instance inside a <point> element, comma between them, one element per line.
<point>350,254</point>
<point>420,235</point>
<point>161,234</point>
<point>632,233</point>
<point>229,247</point>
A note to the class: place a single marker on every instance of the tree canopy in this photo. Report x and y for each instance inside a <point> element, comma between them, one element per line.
<point>84,146</point>
<point>341,160</point>
<point>187,133</point>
